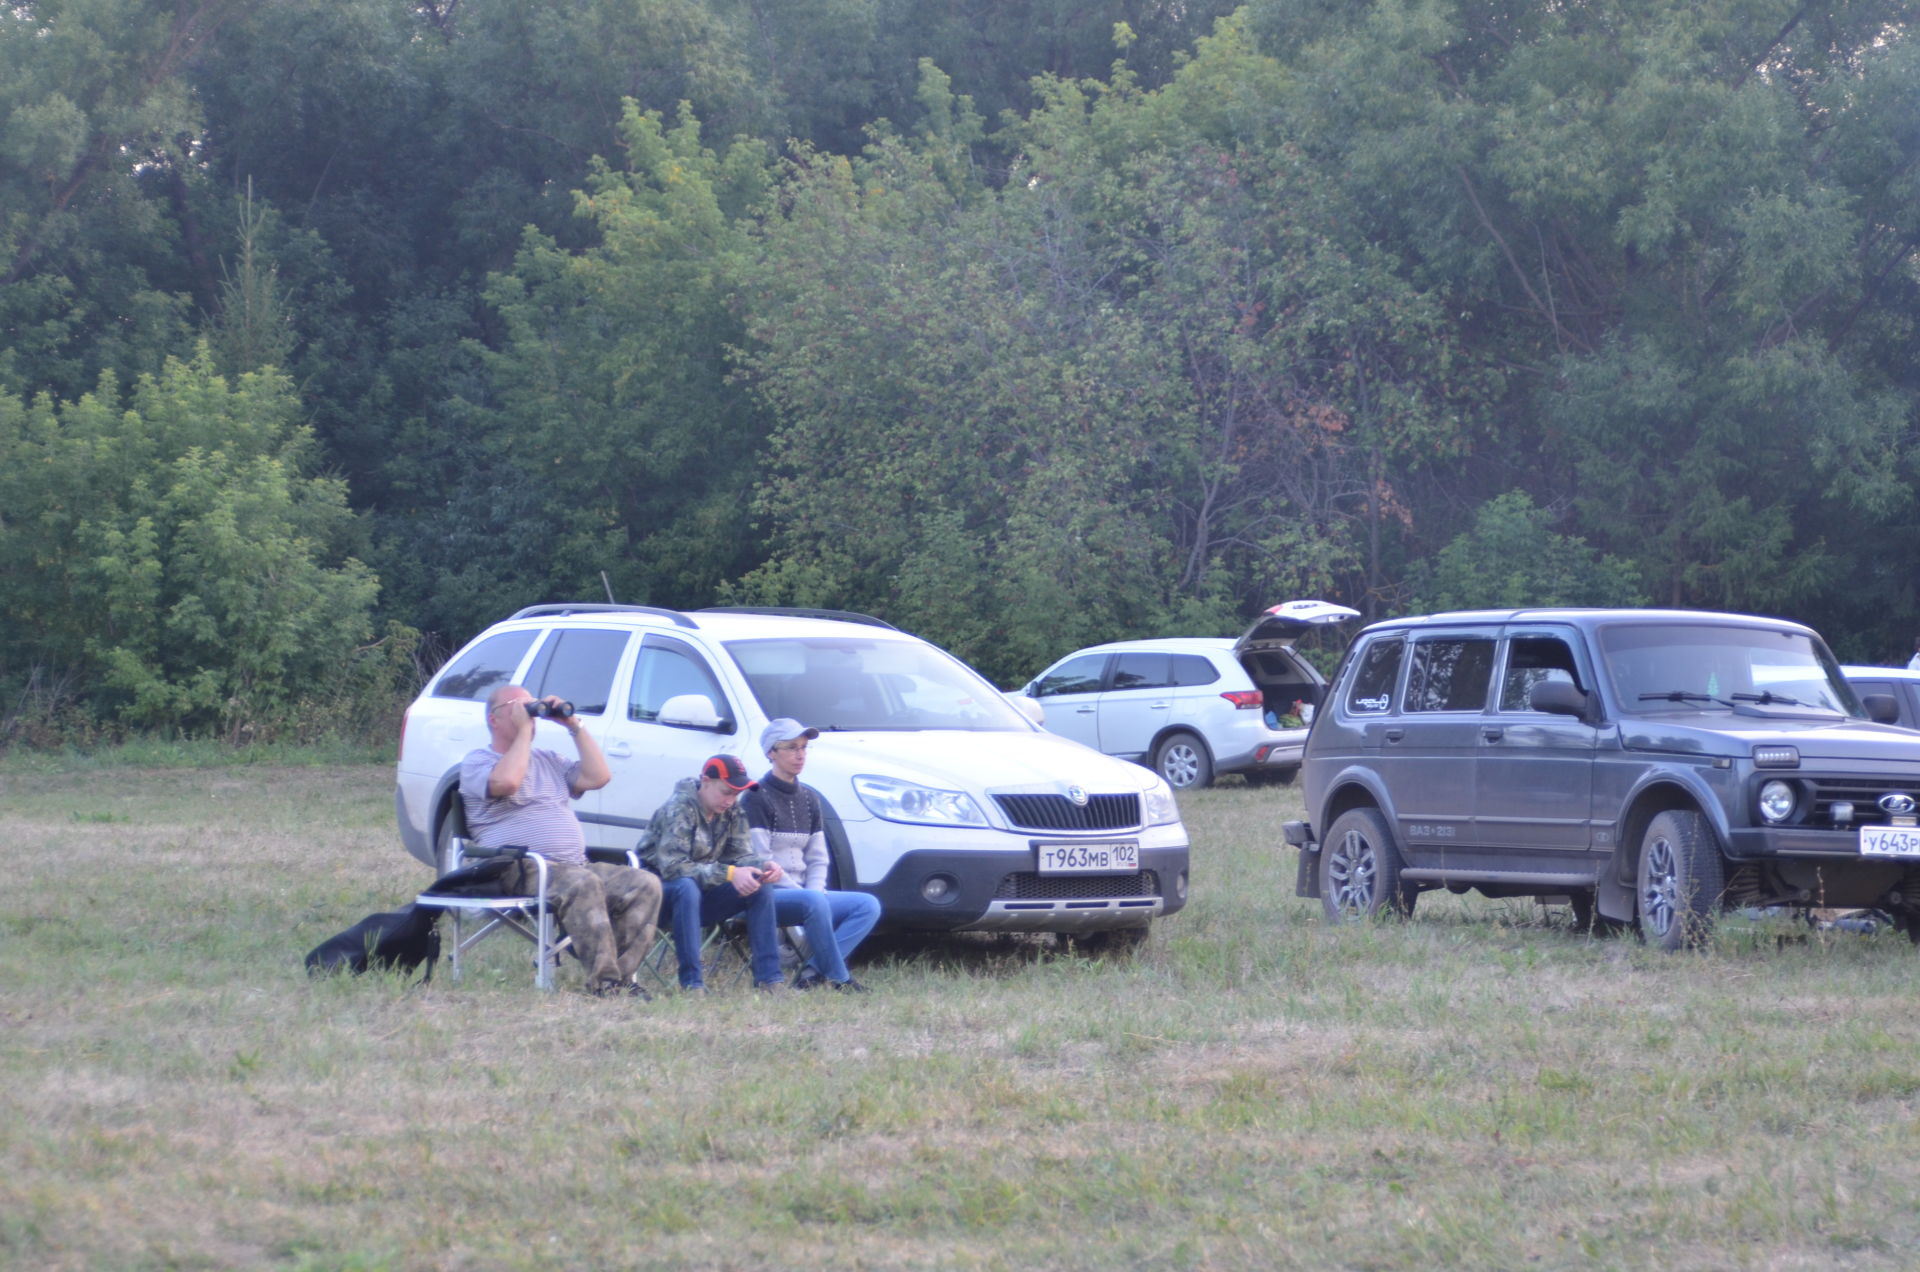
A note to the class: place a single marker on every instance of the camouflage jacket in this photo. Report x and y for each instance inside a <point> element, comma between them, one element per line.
<point>682,842</point>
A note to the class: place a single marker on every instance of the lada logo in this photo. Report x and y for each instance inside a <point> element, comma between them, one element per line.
<point>1078,794</point>
<point>1897,803</point>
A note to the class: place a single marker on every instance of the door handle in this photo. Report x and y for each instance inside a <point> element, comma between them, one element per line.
<point>1394,735</point>
<point>1493,734</point>
<point>618,750</point>
<point>1083,710</point>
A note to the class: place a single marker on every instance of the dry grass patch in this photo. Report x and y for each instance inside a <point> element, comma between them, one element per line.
<point>1477,1088</point>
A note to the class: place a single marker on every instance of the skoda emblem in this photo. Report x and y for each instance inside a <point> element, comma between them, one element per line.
<point>1078,794</point>
<point>1898,803</point>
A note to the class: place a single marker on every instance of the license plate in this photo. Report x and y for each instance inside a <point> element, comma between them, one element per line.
<point>1890,841</point>
<point>1109,858</point>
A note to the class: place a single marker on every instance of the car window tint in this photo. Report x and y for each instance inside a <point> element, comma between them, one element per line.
<point>1076,675</point>
<point>1192,669</point>
<point>1142,671</point>
<point>666,670</point>
<point>485,667</point>
<point>1900,700</point>
<point>1535,660</point>
<point>1450,675</point>
<point>578,665</point>
<point>1375,676</point>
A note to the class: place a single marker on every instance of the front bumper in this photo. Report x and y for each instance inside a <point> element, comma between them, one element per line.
<point>1000,891</point>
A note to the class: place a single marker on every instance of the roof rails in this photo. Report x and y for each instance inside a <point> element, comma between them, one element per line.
<point>840,616</point>
<point>602,607</point>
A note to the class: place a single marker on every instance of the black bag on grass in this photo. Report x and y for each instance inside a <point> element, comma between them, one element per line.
<point>402,939</point>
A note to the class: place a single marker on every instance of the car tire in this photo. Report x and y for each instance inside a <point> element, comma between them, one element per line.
<point>1679,881</point>
<point>1360,869</point>
<point>1183,760</point>
<point>452,822</point>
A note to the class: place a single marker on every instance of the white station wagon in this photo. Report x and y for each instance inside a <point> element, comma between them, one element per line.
<point>943,798</point>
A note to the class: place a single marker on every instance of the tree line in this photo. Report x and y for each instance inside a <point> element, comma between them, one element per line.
<point>328,323</point>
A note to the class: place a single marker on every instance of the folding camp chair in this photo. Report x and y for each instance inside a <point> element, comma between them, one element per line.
<point>528,915</point>
<point>725,952</point>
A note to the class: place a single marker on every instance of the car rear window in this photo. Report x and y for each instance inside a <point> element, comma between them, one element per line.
<point>1191,669</point>
<point>578,665</point>
<point>1142,671</point>
<point>485,667</point>
<point>1450,674</point>
<point>1375,677</point>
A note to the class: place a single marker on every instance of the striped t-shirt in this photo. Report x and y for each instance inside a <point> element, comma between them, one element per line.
<point>538,816</point>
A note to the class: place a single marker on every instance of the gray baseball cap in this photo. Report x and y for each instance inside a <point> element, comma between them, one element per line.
<point>784,729</point>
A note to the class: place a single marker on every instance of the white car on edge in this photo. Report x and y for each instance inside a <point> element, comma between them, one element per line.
<point>1193,707</point>
<point>943,798</point>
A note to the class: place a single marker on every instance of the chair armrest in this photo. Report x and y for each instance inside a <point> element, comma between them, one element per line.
<point>614,856</point>
<point>475,850</point>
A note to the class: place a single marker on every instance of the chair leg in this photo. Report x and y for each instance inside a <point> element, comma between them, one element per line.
<point>543,951</point>
<point>453,955</point>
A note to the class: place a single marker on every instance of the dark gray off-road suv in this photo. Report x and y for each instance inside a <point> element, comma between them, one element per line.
<point>1650,766</point>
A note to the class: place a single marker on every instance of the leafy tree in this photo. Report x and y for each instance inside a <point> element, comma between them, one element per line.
<point>959,415</point>
<point>174,547</point>
<point>612,439</point>
<point>97,126</point>
<point>1689,228</point>
<point>1511,558</point>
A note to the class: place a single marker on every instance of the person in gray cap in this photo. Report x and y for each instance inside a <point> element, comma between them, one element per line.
<point>787,824</point>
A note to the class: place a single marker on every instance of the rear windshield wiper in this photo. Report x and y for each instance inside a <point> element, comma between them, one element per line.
<point>1682,695</point>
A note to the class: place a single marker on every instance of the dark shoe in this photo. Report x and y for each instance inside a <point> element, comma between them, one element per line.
<point>608,987</point>
<point>636,990</point>
<point>808,978</point>
<point>777,989</point>
<point>851,986</point>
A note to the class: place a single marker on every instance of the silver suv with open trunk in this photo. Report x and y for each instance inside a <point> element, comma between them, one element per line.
<point>1650,766</point>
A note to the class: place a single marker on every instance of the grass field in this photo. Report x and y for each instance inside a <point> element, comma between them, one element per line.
<point>1477,1088</point>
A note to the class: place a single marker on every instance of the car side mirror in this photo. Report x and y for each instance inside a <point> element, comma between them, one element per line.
<point>691,711</point>
<point>1559,697</point>
<point>1029,707</point>
<point>1881,708</point>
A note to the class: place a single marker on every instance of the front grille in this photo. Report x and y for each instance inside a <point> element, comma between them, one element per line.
<point>1862,792</point>
<point>1027,886</point>
<point>1057,812</point>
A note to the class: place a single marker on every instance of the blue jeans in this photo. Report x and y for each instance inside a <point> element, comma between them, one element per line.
<point>691,908</point>
<point>835,922</point>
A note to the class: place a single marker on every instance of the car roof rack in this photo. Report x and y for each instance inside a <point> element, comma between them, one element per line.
<point>840,616</point>
<point>601,607</point>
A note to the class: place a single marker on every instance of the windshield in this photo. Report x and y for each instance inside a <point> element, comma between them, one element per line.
<point>840,682</point>
<point>1674,667</point>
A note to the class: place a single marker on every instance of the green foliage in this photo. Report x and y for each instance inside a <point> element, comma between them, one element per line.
<point>617,440</point>
<point>1058,322</point>
<point>173,548</point>
<point>1512,558</point>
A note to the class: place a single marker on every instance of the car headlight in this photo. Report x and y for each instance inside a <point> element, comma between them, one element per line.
<point>900,801</point>
<point>1156,802</point>
<point>1776,801</point>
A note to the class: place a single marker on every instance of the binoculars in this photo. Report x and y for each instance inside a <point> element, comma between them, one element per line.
<point>548,711</point>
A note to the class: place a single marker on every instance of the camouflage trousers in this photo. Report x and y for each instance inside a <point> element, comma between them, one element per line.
<point>611,912</point>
